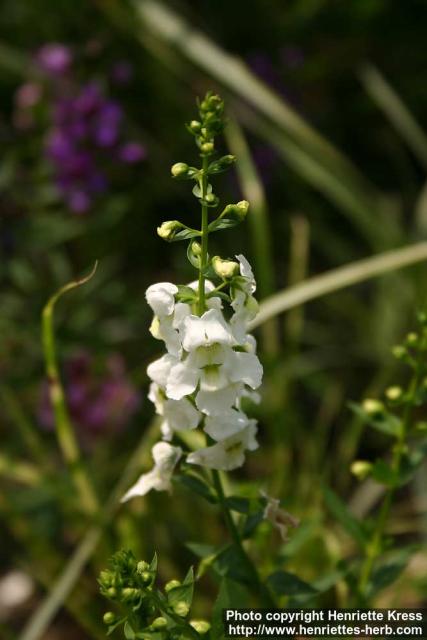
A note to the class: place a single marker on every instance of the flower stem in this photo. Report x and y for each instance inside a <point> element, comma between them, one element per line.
<point>205,236</point>
<point>257,585</point>
<point>375,545</point>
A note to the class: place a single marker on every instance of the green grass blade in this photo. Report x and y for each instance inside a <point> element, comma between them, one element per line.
<point>340,278</point>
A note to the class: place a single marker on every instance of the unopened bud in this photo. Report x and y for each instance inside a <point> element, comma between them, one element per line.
<point>238,210</point>
<point>112,593</point>
<point>159,623</point>
<point>399,352</point>
<point>130,594</point>
<point>179,169</point>
<point>361,469</point>
<point>142,565</point>
<point>373,407</point>
<point>210,198</point>
<point>171,585</point>
<point>225,268</point>
<point>196,249</point>
<point>222,164</point>
<point>109,618</point>
<point>181,608</point>
<point>195,126</point>
<point>207,147</point>
<point>412,339</point>
<point>168,229</point>
<point>393,393</point>
<point>201,626</point>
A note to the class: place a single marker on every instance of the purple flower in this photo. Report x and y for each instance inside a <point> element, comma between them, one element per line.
<point>54,58</point>
<point>132,152</point>
<point>98,404</point>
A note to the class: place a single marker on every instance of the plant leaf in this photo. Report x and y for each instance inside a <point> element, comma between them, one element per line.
<point>339,510</point>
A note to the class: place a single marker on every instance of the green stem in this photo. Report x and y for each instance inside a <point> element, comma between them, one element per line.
<point>205,236</point>
<point>63,425</point>
<point>258,586</point>
<point>375,545</point>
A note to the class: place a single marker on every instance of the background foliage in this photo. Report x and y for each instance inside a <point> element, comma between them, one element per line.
<point>324,101</point>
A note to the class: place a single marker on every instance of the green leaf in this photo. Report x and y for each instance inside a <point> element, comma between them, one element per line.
<point>339,510</point>
<point>193,260</point>
<point>129,632</point>
<point>388,570</point>
<point>186,294</point>
<point>230,562</point>
<point>224,223</point>
<point>383,473</point>
<point>196,484</point>
<point>284,583</point>
<point>231,595</point>
<point>251,523</point>
<point>411,462</point>
<point>239,504</point>
<point>153,564</point>
<point>385,423</point>
<point>185,234</point>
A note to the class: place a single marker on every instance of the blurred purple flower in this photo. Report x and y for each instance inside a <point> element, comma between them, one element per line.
<point>132,152</point>
<point>87,131</point>
<point>98,404</point>
<point>54,58</point>
<point>28,95</point>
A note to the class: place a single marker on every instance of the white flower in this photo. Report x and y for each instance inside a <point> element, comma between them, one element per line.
<point>226,424</point>
<point>244,367</point>
<point>159,370</point>
<point>166,328</point>
<point>229,453</point>
<point>246,272</point>
<point>161,298</point>
<point>211,303</point>
<point>165,458</point>
<point>178,415</point>
<point>205,331</point>
<point>213,403</point>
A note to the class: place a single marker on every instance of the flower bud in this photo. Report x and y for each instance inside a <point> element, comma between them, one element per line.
<point>180,170</point>
<point>159,623</point>
<point>195,126</point>
<point>168,229</point>
<point>225,268</point>
<point>112,593</point>
<point>412,339</point>
<point>171,585</point>
<point>399,352</point>
<point>222,164</point>
<point>393,393</point>
<point>109,618</point>
<point>146,577</point>
<point>196,248</point>
<point>361,469</point>
<point>210,198</point>
<point>238,210</point>
<point>181,608</point>
<point>142,565</point>
<point>373,407</point>
<point>129,594</point>
<point>207,147</point>
<point>201,626</point>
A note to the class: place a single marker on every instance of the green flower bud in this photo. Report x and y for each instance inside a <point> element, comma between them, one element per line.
<point>146,577</point>
<point>171,585</point>
<point>225,268</point>
<point>373,407</point>
<point>210,198</point>
<point>207,147</point>
<point>361,469</point>
<point>142,565</point>
<point>412,339</point>
<point>195,126</point>
<point>180,170</point>
<point>394,393</point>
<point>109,618</point>
<point>129,594</point>
<point>168,229</point>
<point>196,248</point>
<point>159,623</point>
<point>181,609</point>
<point>399,352</point>
<point>201,626</point>
<point>112,593</point>
<point>222,164</point>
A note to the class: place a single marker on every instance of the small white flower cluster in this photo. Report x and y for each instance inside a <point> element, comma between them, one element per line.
<point>210,365</point>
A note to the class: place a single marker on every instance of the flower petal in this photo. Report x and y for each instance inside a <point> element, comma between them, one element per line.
<point>182,380</point>
<point>211,328</point>
<point>161,298</point>
<point>159,370</point>
<point>225,425</point>
<point>213,403</point>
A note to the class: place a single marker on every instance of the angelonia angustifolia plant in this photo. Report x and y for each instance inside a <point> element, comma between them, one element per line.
<point>400,416</point>
<point>210,365</point>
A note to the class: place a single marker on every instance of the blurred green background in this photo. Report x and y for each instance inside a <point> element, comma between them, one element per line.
<point>326,102</point>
